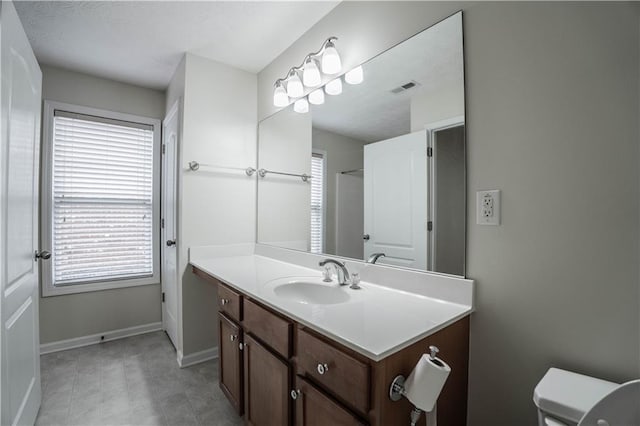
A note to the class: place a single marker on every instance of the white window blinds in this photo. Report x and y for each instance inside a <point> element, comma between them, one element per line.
<point>102,192</point>
<point>317,203</point>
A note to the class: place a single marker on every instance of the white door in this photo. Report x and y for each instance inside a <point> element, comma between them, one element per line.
<point>395,200</point>
<point>170,127</point>
<point>19,162</point>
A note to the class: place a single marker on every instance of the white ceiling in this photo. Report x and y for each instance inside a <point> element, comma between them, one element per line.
<point>142,42</point>
<point>370,112</point>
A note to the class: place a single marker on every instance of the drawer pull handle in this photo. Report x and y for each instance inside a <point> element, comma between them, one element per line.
<point>224,301</point>
<point>233,337</point>
<point>241,345</point>
<point>295,394</point>
<point>322,368</point>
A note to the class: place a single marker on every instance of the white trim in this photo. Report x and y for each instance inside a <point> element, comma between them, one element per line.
<point>197,357</point>
<point>77,342</point>
<point>446,123</point>
<point>432,162</point>
<point>48,289</point>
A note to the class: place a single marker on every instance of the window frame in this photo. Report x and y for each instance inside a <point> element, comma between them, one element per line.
<point>323,154</point>
<point>46,201</point>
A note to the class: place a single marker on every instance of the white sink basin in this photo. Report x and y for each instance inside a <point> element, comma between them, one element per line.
<point>309,291</point>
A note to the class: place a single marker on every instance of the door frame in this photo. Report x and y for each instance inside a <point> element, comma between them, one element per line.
<point>431,129</point>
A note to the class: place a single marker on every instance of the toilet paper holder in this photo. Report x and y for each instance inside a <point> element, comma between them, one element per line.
<point>423,386</point>
<point>397,390</point>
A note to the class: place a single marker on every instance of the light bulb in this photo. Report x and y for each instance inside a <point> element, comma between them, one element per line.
<point>301,105</point>
<point>280,98</point>
<point>331,60</point>
<point>294,85</point>
<point>311,74</point>
<point>355,76</point>
<point>317,97</point>
<point>334,87</point>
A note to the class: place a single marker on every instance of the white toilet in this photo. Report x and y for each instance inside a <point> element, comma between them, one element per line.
<point>563,397</point>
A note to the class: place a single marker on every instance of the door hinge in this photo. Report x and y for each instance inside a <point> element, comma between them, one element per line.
<point>430,226</point>
<point>162,223</point>
<point>429,152</point>
<point>163,297</point>
<point>164,148</point>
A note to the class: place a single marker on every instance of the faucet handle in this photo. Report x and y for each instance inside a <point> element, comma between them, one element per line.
<point>355,281</point>
<point>326,274</point>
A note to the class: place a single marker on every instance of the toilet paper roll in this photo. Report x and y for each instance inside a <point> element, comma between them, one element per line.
<point>426,381</point>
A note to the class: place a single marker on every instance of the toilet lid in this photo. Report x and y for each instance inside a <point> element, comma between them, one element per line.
<point>568,395</point>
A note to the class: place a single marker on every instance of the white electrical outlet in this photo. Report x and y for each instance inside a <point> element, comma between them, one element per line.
<point>488,207</point>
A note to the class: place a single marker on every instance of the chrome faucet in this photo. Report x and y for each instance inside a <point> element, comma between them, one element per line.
<point>343,273</point>
<point>374,257</point>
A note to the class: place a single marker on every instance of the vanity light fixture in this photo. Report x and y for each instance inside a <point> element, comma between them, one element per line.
<point>330,64</point>
<point>355,76</point>
<point>317,96</point>
<point>301,105</point>
<point>292,87</point>
<point>334,87</point>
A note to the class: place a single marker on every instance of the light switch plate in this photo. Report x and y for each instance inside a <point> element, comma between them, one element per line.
<point>488,207</point>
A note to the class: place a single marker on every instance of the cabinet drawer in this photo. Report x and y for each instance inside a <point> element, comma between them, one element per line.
<point>272,329</point>
<point>314,408</point>
<point>229,302</point>
<point>341,374</point>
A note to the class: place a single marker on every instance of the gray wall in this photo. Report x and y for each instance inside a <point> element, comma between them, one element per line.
<point>552,111</point>
<point>449,194</point>
<point>343,153</point>
<point>77,315</point>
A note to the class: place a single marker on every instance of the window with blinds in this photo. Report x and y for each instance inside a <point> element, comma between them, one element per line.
<point>317,203</point>
<point>102,199</point>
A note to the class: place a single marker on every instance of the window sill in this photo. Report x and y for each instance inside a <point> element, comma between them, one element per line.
<point>50,290</point>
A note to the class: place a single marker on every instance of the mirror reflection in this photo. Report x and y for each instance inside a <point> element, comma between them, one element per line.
<point>386,158</point>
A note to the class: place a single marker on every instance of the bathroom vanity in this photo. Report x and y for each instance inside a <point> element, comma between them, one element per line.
<point>376,173</point>
<point>309,358</point>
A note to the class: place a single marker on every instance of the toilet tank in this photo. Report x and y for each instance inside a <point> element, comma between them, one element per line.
<point>563,397</point>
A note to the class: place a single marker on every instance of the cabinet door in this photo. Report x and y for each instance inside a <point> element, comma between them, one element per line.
<point>314,408</point>
<point>230,362</point>
<point>267,385</point>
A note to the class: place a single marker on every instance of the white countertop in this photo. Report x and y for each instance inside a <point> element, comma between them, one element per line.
<point>376,321</point>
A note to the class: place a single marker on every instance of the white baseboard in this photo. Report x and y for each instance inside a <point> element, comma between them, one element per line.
<point>197,357</point>
<point>77,342</point>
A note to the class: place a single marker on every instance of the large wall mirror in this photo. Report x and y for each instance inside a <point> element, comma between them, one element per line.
<point>386,160</point>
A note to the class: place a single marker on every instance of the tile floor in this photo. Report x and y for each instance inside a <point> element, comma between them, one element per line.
<point>132,381</point>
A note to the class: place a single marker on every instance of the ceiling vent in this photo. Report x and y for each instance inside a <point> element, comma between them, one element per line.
<point>406,86</point>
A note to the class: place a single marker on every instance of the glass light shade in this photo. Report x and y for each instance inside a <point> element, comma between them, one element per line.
<point>334,87</point>
<point>294,86</point>
<point>331,63</point>
<point>301,105</point>
<point>311,74</point>
<point>317,96</point>
<point>355,76</point>
<point>280,98</point>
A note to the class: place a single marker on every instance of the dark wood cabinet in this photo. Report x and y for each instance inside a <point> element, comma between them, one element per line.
<point>230,361</point>
<point>267,384</point>
<point>314,408</point>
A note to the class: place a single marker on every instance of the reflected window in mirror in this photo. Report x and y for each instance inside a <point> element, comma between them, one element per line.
<point>318,204</point>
